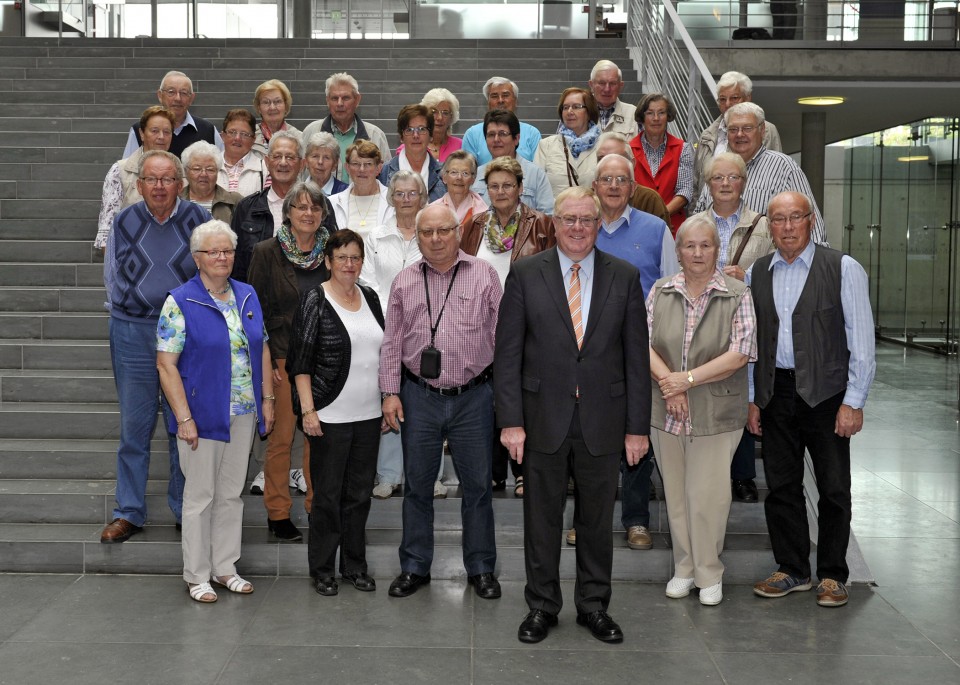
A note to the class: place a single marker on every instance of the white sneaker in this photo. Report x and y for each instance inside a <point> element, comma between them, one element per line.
<point>384,490</point>
<point>256,487</point>
<point>297,480</point>
<point>439,490</point>
<point>713,595</point>
<point>679,587</point>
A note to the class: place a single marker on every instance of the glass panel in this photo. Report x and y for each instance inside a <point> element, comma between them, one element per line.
<point>505,19</point>
<point>862,205</point>
<point>235,20</point>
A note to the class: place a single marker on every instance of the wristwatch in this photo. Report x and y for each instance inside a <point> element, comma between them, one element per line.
<point>690,378</point>
<point>385,395</point>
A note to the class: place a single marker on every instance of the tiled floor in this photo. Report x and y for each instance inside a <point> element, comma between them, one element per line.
<point>142,629</point>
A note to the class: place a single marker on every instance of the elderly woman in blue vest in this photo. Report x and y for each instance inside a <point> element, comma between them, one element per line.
<point>215,372</point>
<point>415,128</point>
<point>702,334</point>
<point>334,360</point>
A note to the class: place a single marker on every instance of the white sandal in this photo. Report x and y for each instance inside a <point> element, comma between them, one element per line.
<point>235,584</point>
<point>200,593</point>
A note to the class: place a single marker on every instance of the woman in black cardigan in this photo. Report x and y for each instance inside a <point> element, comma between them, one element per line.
<point>334,361</point>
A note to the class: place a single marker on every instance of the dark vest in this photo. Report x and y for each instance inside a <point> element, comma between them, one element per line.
<point>188,135</point>
<point>821,357</point>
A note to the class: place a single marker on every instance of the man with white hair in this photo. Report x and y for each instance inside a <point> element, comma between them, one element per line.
<point>606,82</point>
<point>732,88</point>
<point>176,94</point>
<point>343,98</point>
<point>500,93</point>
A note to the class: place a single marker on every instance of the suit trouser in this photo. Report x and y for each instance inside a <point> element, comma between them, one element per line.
<point>545,478</point>
<point>791,426</point>
<point>276,466</point>
<point>212,509</point>
<point>698,495</point>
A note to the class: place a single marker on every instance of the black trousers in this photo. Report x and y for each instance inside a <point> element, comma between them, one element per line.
<point>790,426</point>
<point>545,493</point>
<point>343,464</point>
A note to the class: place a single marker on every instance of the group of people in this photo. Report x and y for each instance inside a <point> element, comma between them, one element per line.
<point>544,302</point>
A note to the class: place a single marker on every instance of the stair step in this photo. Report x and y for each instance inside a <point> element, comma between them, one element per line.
<point>18,299</point>
<point>62,386</point>
<point>55,354</point>
<point>55,326</point>
<point>72,459</point>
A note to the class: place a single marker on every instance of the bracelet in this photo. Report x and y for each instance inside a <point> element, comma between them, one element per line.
<point>186,420</point>
<point>269,397</point>
<point>308,411</point>
<point>385,395</point>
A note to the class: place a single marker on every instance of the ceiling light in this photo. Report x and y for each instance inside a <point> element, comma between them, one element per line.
<point>821,100</point>
<point>914,158</point>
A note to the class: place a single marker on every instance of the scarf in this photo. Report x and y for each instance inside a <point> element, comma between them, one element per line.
<point>300,259</point>
<point>581,144</point>
<point>500,238</point>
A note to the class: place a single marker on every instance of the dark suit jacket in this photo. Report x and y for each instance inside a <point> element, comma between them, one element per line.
<point>537,366</point>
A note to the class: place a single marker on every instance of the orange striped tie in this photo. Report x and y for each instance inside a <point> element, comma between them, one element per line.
<point>573,301</point>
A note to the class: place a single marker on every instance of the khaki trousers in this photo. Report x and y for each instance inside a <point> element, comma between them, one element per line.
<point>280,443</point>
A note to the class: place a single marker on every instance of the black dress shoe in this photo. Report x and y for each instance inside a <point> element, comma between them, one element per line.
<point>601,625</point>
<point>326,586</point>
<point>499,485</point>
<point>361,581</point>
<point>407,583</point>
<point>536,626</point>
<point>745,490</point>
<point>285,530</point>
<point>485,585</point>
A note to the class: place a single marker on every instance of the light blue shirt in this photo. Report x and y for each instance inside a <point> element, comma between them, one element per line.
<point>645,241</point>
<point>725,228</point>
<point>788,282</point>
<point>475,142</point>
<point>537,192</point>
<point>586,281</point>
<point>133,145</point>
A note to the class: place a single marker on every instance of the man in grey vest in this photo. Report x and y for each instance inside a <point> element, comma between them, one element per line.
<point>815,364</point>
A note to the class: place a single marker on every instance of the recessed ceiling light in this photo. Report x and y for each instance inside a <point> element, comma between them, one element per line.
<point>914,158</point>
<point>821,100</point>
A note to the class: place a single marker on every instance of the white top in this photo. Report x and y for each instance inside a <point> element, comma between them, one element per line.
<point>275,202</point>
<point>386,253</point>
<point>360,398</point>
<point>500,262</point>
<point>424,170</point>
<point>343,202</point>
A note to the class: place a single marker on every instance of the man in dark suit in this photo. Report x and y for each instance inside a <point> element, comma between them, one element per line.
<point>572,370</point>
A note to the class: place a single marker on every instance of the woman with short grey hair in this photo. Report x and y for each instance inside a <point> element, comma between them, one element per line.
<point>201,165</point>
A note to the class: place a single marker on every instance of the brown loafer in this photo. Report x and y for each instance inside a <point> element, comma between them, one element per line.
<point>118,530</point>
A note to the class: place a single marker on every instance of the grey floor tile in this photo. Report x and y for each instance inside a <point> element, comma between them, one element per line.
<point>932,461</point>
<point>26,595</point>
<point>749,669</point>
<point>898,561</point>
<point>928,487</point>
<point>898,515</point>
<point>949,509</point>
<point>932,611</point>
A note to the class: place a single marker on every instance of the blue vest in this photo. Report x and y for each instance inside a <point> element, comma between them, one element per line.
<point>640,242</point>
<point>204,363</point>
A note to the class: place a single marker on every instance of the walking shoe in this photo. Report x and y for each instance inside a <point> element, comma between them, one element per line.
<point>831,593</point>
<point>285,530</point>
<point>256,487</point>
<point>780,584</point>
<point>297,480</point>
<point>572,537</point>
<point>385,490</point>
<point>679,587</point>
<point>712,596</point>
<point>638,537</point>
<point>439,490</point>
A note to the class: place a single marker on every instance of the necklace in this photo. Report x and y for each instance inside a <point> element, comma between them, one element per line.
<point>219,292</point>
<point>361,213</point>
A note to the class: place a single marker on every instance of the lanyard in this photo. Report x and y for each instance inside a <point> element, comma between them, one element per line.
<point>435,326</point>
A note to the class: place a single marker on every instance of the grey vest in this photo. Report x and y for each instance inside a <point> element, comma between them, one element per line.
<point>820,349</point>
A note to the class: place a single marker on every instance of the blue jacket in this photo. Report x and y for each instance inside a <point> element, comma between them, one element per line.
<point>435,187</point>
<point>204,363</point>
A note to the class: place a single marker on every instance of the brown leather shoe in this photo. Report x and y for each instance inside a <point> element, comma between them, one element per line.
<point>572,537</point>
<point>831,593</point>
<point>638,537</point>
<point>119,530</point>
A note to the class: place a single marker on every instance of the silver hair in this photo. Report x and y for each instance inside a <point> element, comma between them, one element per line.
<point>339,78</point>
<point>202,148</point>
<point>805,197</point>
<point>736,79</point>
<point>173,159</point>
<point>612,135</point>
<point>609,159</point>
<point>730,157</point>
<point>435,96</point>
<point>499,81</point>
<point>175,73</point>
<point>460,156</point>
<point>443,208</point>
<point>324,140</point>
<point>308,188</point>
<point>411,176</point>
<point>212,228</point>
<point>286,135</point>
<point>743,109</point>
<point>605,65</point>
<point>695,221</point>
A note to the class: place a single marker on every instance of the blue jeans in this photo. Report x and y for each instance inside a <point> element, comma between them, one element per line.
<point>635,492</point>
<point>466,421</point>
<point>134,357</point>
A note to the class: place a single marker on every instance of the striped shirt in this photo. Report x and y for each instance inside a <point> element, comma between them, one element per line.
<point>684,174</point>
<point>743,329</point>
<point>768,174</point>
<point>725,228</point>
<point>466,329</point>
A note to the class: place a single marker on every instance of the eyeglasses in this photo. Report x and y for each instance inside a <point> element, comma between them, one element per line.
<point>499,134</point>
<point>659,114</point>
<point>415,130</point>
<point>409,194</point>
<point>151,181</point>
<point>278,157</point>
<point>613,180</point>
<point>278,102</point>
<point>344,258</point>
<point>321,156</point>
<point>453,173</point>
<point>234,133</point>
<point>316,209</point>
<point>585,221</point>
<point>576,107</point>
<point>202,169</point>
<point>217,254</point>
<point>362,166</point>
<point>730,178</point>
<point>794,219</point>
<point>603,85</point>
<point>497,187</point>
<point>732,99</point>
<point>173,92</point>
<point>447,113</point>
<point>159,131</point>
<point>439,232</point>
<point>737,130</point>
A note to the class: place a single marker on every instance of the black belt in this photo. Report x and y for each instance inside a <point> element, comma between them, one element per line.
<point>789,373</point>
<point>479,379</point>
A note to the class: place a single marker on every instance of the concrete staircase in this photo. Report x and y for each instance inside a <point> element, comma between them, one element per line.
<point>66,111</point>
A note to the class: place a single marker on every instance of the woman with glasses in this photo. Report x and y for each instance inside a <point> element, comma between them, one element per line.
<point>363,205</point>
<point>335,363</point>
<point>120,184</point>
<point>501,235</point>
<point>415,128</point>
<point>243,169</point>
<point>215,373</point>
<point>664,163</point>
<point>445,108</point>
<point>272,101</point>
<point>321,158</point>
<point>201,163</point>
<point>458,174</point>
<point>282,269</point>
<point>570,157</point>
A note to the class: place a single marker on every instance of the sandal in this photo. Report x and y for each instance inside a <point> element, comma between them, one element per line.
<point>233,583</point>
<point>202,592</point>
<point>518,488</point>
